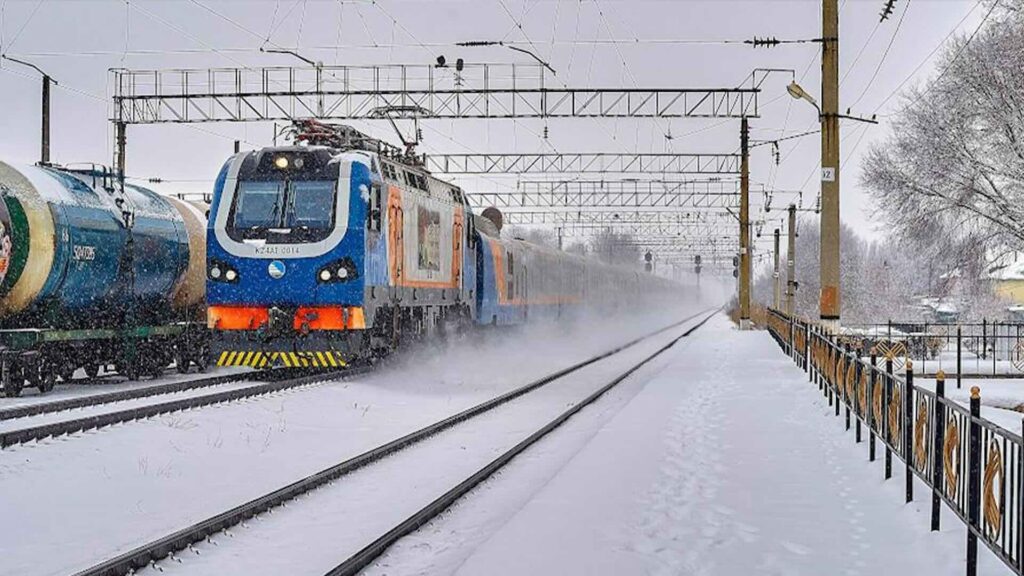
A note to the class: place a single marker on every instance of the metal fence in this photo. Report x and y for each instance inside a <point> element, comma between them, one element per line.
<point>976,349</point>
<point>973,465</point>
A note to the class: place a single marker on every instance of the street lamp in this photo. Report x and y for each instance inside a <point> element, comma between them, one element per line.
<point>47,79</point>
<point>797,92</point>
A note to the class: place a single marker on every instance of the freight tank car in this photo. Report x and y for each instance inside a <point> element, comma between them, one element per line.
<point>80,288</point>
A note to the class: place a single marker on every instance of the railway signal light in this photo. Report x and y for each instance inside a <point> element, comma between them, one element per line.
<point>735,266</point>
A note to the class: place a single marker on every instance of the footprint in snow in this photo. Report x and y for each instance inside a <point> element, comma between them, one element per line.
<point>795,548</point>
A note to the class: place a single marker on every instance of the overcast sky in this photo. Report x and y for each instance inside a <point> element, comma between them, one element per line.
<point>674,44</point>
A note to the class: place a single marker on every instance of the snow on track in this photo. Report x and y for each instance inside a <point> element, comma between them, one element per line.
<point>105,385</point>
<point>96,410</point>
<point>336,521</point>
<point>727,462</point>
<point>110,491</point>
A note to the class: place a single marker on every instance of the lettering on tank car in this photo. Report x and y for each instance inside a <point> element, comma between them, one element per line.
<point>84,253</point>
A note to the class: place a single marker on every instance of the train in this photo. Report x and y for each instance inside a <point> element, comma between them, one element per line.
<point>94,273</point>
<point>340,247</point>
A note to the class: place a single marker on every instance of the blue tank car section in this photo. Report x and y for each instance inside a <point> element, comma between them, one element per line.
<point>80,288</point>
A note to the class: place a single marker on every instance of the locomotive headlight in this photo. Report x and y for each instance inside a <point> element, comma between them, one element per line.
<point>281,162</point>
<point>231,275</point>
<point>215,272</point>
<point>299,163</point>
<point>325,275</point>
<point>342,272</point>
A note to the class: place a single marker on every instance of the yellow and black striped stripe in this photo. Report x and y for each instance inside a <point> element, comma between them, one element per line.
<point>319,359</point>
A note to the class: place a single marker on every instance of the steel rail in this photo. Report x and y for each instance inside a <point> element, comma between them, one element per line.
<point>22,435</point>
<point>375,549</point>
<point>90,400</point>
<point>158,549</point>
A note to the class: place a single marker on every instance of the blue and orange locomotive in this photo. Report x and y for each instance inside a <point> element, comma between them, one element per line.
<point>341,247</point>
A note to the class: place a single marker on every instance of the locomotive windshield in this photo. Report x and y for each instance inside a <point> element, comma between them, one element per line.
<point>283,211</point>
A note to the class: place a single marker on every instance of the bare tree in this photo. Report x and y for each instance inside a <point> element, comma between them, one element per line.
<point>953,169</point>
<point>616,248</point>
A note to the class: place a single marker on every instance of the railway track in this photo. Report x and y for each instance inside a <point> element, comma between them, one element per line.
<point>89,400</point>
<point>279,380</point>
<point>156,550</point>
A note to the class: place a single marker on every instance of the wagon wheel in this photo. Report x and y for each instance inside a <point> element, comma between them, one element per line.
<point>46,380</point>
<point>65,370</point>
<point>13,383</point>
<point>92,370</point>
<point>202,358</point>
<point>181,359</point>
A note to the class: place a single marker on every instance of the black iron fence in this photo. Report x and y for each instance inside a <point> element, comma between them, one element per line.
<point>976,349</point>
<point>973,465</point>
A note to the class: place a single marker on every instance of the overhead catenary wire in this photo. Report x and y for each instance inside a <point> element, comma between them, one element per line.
<point>881,61</point>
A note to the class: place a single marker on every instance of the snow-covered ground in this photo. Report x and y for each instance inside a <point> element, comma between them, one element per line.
<point>115,488</point>
<point>727,462</point>
<point>338,520</point>
<point>717,458</point>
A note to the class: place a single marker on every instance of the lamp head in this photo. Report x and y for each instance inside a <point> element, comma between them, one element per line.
<point>797,91</point>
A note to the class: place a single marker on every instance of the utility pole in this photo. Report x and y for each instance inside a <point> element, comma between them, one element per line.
<point>791,284</point>
<point>776,276</point>
<point>829,265</point>
<point>44,154</point>
<point>744,224</point>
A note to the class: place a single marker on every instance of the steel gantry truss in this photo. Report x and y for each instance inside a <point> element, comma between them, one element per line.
<point>638,223</point>
<point>584,163</point>
<point>347,93</point>
<point>615,194</point>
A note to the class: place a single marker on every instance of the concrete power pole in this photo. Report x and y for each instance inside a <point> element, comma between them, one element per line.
<point>776,276</point>
<point>829,265</point>
<point>791,283</point>
<point>744,224</point>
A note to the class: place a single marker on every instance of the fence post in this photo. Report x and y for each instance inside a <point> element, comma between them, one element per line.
<point>872,382</point>
<point>974,484</point>
<point>847,358</point>
<point>807,345</point>
<point>939,428</point>
<point>837,374</point>
<point>995,346</point>
<point>908,430</point>
<point>792,335</point>
<point>857,408</point>
<point>984,338</point>
<point>886,398</point>
<point>959,356</point>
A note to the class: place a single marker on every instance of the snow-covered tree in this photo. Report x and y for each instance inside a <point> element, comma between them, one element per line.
<point>953,168</point>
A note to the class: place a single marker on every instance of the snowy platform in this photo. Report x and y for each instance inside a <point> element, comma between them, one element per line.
<point>725,461</point>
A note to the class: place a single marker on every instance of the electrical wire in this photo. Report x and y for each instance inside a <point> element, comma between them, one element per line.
<point>881,61</point>
<point>25,23</point>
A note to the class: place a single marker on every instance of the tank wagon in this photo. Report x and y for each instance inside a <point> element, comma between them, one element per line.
<point>341,247</point>
<point>80,289</point>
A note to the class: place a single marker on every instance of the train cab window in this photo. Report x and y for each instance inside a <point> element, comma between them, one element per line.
<point>283,211</point>
<point>510,276</point>
<point>373,220</point>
